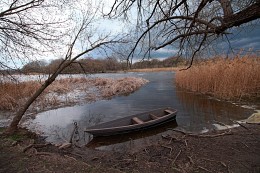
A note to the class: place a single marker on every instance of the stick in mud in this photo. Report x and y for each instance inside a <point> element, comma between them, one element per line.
<point>73,132</point>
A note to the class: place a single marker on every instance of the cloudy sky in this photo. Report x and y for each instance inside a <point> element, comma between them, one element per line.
<point>242,38</point>
<point>247,37</point>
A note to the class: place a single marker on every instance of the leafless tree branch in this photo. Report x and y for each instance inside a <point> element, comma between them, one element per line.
<point>184,21</point>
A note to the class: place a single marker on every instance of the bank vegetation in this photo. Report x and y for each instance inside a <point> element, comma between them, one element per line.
<point>66,91</point>
<point>232,79</point>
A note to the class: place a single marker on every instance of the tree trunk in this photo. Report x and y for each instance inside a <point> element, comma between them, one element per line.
<point>247,15</point>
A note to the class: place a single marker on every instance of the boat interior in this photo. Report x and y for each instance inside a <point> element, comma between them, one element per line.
<point>149,117</point>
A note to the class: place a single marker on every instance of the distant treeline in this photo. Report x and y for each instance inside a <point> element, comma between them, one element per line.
<point>91,65</point>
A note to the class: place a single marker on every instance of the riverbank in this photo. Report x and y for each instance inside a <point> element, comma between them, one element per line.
<point>232,150</point>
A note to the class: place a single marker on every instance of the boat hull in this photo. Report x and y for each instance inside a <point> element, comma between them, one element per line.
<point>123,125</point>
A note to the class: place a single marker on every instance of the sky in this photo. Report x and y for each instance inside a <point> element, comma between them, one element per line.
<point>245,37</point>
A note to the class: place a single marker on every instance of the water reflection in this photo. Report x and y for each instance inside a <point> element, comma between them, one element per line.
<point>203,111</point>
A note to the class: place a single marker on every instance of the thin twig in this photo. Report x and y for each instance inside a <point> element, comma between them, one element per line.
<point>240,124</point>
<point>245,145</point>
<point>186,144</point>
<point>204,169</point>
<point>191,161</point>
<point>222,163</point>
<point>70,157</point>
<point>176,157</point>
<point>43,153</point>
<point>168,148</point>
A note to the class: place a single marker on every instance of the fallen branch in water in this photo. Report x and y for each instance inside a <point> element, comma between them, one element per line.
<point>239,124</point>
<point>203,136</point>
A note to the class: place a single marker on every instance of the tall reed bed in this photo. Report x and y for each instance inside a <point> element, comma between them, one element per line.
<point>229,79</point>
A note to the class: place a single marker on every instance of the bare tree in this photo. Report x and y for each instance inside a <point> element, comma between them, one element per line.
<point>186,24</point>
<point>84,38</point>
<point>27,29</point>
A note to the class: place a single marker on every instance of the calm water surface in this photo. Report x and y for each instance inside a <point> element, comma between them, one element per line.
<point>195,112</point>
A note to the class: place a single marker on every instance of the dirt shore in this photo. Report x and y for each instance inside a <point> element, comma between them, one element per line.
<point>233,150</point>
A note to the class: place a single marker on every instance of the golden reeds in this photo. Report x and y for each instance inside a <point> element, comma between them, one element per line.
<point>229,79</point>
<point>13,94</point>
<point>66,91</point>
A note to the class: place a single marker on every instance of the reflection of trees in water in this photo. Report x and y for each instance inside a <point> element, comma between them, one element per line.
<point>57,134</point>
<point>93,119</point>
<point>203,109</point>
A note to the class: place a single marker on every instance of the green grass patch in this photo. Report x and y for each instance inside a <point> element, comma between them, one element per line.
<point>16,137</point>
<point>2,129</point>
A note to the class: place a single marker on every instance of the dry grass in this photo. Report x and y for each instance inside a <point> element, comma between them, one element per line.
<point>229,79</point>
<point>66,91</point>
<point>121,86</point>
<point>63,86</point>
<point>13,94</point>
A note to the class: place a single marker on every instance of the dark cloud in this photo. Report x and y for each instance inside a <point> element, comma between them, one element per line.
<point>244,37</point>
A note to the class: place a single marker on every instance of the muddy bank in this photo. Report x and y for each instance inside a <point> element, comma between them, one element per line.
<point>235,150</point>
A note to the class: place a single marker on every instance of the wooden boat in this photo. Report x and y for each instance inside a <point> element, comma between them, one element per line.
<point>106,141</point>
<point>134,122</point>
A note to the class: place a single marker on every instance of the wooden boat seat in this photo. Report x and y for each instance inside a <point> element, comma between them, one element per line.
<point>168,111</point>
<point>153,117</point>
<point>137,120</point>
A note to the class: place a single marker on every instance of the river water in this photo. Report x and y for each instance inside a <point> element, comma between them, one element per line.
<point>196,112</point>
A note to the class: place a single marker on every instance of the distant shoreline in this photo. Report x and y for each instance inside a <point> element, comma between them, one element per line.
<point>154,69</point>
